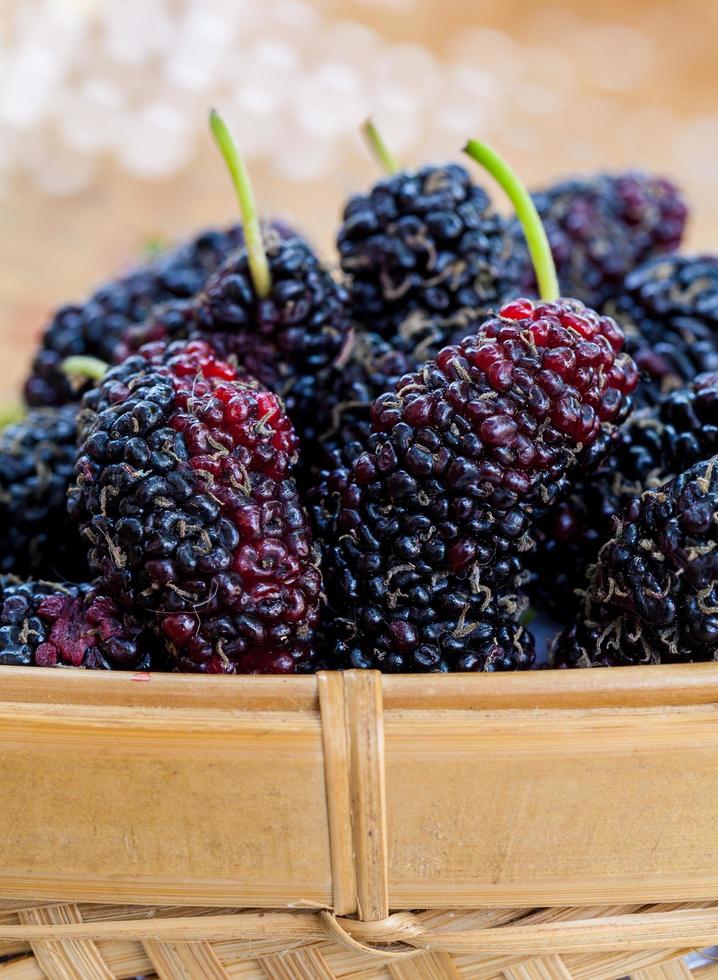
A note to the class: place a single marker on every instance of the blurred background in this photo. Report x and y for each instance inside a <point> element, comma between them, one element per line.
<point>104,149</point>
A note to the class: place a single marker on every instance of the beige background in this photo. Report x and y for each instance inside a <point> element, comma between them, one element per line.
<point>557,86</point>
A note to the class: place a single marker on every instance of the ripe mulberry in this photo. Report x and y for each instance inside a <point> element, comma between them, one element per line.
<point>432,528</point>
<point>653,593</point>
<point>600,229</point>
<point>184,490</point>
<point>44,624</point>
<point>37,456</point>
<point>669,310</point>
<point>655,445</point>
<point>286,340</point>
<point>426,240</point>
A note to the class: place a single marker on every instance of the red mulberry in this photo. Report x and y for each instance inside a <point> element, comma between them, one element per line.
<point>184,490</point>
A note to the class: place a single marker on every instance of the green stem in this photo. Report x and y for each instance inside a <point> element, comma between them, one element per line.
<point>85,367</point>
<point>10,414</point>
<point>533,229</point>
<point>258,265</point>
<point>378,147</point>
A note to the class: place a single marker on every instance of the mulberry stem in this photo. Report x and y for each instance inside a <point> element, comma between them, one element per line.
<point>85,367</point>
<point>533,229</point>
<point>257,257</point>
<point>378,147</point>
<point>10,414</point>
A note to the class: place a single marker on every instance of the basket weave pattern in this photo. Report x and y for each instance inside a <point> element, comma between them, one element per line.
<point>358,937</point>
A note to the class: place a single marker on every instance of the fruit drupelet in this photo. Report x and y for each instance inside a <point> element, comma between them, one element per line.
<point>184,490</point>
<point>600,228</point>
<point>653,593</point>
<point>654,445</point>
<point>37,456</point>
<point>669,310</point>
<point>48,624</point>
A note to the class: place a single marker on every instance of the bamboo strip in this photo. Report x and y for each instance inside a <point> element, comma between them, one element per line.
<point>664,684</point>
<point>297,964</point>
<point>539,968</point>
<point>431,966</point>
<point>654,930</point>
<point>675,970</point>
<point>185,961</point>
<point>365,732</point>
<point>65,959</point>
<point>335,741</point>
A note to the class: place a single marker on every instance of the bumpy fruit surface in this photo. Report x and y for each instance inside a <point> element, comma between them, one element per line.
<point>287,341</point>
<point>425,240</point>
<point>37,456</point>
<point>656,444</point>
<point>669,310</point>
<point>600,229</point>
<point>653,593</point>
<point>371,366</point>
<point>431,528</point>
<point>47,624</point>
<point>184,490</point>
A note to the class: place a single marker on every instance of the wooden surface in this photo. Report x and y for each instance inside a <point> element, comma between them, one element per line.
<point>204,791</point>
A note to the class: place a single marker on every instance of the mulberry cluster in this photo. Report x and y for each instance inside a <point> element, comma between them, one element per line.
<point>431,529</point>
<point>653,593</point>
<point>184,490</point>
<point>37,456</point>
<point>426,240</point>
<point>45,624</point>
<point>651,448</point>
<point>669,310</point>
<point>287,341</point>
<point>600,229</point>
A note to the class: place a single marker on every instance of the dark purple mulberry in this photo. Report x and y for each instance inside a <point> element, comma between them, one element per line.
<point>653,594</point>
<point>600,229</point>
<point>426,240</point>
<point>655,445</point>
<point>37,456</point>
<point>44,624</point>
<point>97,326</point>
<point>287,341</point>
<point>431,529</point>
<point>184,490</point>
<point>669,310</point>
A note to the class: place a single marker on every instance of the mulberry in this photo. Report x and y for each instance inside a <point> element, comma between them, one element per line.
<point>184,490</point>
<point>669,310</point>
<point>423,240</point>
<point>431,529</point>
<point>653,593</point>
<point>600,229</point>
<point>652,447</point>
<point>44,624</point>
<point>37,456</point>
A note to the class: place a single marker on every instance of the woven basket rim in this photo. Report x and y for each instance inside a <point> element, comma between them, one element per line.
<point>670,684</point>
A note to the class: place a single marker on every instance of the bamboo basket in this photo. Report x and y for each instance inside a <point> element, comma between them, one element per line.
<point>519,826</point>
